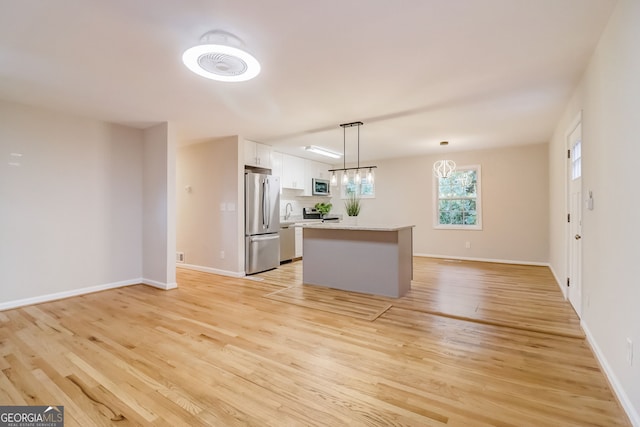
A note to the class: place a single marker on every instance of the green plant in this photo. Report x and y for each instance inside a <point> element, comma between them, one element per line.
<point>323,208</point>
<point>353,205</point>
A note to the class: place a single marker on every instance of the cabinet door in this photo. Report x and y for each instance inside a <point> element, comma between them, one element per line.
<point>310,169</point>
<point>263,155</point>
<point>292,172</point>
<point>276,167</point>
<point>313,169</point>
<point>250,158</point>
<point>298,242</point>
<point>322,170</point>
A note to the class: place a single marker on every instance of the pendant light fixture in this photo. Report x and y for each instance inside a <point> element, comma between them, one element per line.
<point>443,168</point>
<point>217,58</point>
<point>358,169</point>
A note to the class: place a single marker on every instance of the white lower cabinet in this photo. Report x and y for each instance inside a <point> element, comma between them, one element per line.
<point>298,242</point>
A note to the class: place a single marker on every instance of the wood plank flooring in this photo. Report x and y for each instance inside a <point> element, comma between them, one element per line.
<point>218,351</point>
<point>358,305</point>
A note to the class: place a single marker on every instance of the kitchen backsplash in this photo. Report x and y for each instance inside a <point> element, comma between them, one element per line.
<point>298,202</point>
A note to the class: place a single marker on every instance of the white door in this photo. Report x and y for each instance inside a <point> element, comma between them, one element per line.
<point>574,238</point>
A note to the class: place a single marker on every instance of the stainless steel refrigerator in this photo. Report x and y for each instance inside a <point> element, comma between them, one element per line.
<point>262,222</point>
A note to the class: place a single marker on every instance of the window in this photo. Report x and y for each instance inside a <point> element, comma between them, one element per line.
<point>365,190</point>
<point>576,160</point>
<point>457,200</point>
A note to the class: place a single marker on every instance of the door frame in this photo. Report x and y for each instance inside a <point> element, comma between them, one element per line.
<point>577,121</point>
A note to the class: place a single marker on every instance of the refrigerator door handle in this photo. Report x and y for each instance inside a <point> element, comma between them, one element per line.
<point>264,237</point>
<point>265,201</point>
<point>268,204</point>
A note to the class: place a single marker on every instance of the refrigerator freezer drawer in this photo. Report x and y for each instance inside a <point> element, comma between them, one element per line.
<point>262,253</point>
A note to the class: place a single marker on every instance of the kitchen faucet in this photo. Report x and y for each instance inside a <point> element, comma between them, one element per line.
<point>287,213</point>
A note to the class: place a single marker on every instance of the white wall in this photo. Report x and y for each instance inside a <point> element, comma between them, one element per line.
<point>70,215</point>
<point>159,211</point>
<point>514,196</point>
<point>210,179</point>
<point>609,96</point>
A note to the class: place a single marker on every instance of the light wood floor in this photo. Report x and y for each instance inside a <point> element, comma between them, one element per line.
<point>473,344</point>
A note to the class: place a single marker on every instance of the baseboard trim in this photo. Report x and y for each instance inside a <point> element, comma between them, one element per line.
<point>560,283</point>
<point>159,285</point>
<point>498,261</point>
<point>67,294</point>
<point>624,400</point>
<point>211,270</point>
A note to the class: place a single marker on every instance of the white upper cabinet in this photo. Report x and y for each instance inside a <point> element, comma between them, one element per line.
<point>277,166</point>
<point>293,175</point>
<point>297,173</point>
<point>312,170</point>
<point>256,154</point>
<point>322,170</point>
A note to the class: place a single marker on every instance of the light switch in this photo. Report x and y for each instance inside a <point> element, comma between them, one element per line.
<point>590,201</point>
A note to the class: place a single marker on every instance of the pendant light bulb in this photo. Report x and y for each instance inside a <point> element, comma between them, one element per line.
<point>334,178</point>
<point>370,176</point>
<point>358,177</point>
<point>345,177</point>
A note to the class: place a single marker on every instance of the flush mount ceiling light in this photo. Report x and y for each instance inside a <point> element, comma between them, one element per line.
<point>215,58</point>
<point>443,168</point>
<point>323,151</point>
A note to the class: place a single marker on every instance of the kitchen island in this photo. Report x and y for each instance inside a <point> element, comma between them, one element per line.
<point>373,259</point>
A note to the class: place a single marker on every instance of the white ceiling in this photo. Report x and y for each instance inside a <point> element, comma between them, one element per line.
<point>478,73</point>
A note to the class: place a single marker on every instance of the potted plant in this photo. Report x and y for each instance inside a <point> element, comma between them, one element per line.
<point>352,205</point>
<point>323,208</point>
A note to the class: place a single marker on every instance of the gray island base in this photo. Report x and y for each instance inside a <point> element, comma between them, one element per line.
<point>369,259</point>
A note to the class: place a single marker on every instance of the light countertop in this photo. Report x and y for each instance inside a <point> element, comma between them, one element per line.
<point>357,227</point>
<point>298,222</point>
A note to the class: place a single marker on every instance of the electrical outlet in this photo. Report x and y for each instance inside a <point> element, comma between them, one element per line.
<point>467,245</point>
<point>630,351</point>
<point>180,256</point>
<point>221,254</point>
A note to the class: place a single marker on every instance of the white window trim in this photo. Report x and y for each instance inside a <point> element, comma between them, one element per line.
<point>436,213</point>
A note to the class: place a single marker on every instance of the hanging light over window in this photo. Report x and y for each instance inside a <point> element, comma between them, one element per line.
<point>345,169</point>
<point>334,178</point>
<point>443,168</point>
<point>370,176</point>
